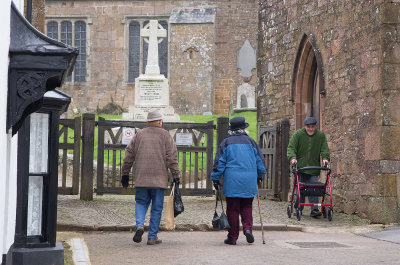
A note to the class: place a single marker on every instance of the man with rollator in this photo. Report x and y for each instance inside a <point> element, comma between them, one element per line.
<point>306,148</point>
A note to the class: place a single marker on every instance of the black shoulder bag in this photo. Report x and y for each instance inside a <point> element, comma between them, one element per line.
<point>220,222</point>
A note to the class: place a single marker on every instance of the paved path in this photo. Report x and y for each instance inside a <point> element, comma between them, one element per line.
<point>319,242</point>
<point>117,212</point>
<point>208,248</point>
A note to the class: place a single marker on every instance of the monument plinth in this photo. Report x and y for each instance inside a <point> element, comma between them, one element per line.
<point>151,88</point>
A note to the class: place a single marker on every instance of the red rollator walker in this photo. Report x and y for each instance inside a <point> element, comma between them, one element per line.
<point>317,189</point>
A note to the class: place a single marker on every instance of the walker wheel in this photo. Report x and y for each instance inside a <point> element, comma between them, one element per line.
<point>289,212</point>
<point>298,215</point>
<point>330,214</point>
<point>324,211</point>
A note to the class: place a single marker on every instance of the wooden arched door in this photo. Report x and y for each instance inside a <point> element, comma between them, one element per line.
<point>307,84</point>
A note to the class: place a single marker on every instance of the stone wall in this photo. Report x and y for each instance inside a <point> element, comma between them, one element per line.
<point>388,182</point>
<point>358,43</point>
<point>192,67</point>
<point>223,89</point>
<point>235,22</point>
<point>38,14</point>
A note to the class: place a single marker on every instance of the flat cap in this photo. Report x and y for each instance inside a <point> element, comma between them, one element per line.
<point>310,121</point>
<point>154,115</point>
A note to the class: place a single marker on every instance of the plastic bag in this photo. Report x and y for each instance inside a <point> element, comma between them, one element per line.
<point>178,204</point>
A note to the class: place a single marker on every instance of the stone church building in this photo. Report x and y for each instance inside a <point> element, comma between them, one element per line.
<point>200,56</point>
<point>340,62</point>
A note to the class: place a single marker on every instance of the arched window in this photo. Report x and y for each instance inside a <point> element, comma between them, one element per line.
<point>66,32</point>
<point>163,51</point>
<point>72,32</point>
<point>145,50</point>
<point>52,30</point>
<point>134,50</point>
<point>80,43</point>
<point>308,83</point>
<point>138,51</point>
<point>66,37</point>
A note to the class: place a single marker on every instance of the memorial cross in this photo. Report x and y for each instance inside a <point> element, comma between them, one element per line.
<point>153,31</point>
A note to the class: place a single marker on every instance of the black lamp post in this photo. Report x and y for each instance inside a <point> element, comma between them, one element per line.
<point>35,233</point>
<point>37,66</point>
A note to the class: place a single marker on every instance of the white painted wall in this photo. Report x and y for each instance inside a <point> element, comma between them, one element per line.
<point>8,144</point>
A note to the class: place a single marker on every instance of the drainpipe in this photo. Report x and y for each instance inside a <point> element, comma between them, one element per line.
<point>29,11</point>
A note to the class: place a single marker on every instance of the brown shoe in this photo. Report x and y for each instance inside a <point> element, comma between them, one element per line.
<point>153,241</point>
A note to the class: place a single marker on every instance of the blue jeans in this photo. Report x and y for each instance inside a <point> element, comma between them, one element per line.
<point>143,198</point>
<point>305,178</point>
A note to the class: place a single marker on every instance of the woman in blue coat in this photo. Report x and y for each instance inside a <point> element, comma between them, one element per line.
<point>240,161</point>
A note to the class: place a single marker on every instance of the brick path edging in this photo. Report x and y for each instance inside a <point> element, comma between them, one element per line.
<point>180,227</point>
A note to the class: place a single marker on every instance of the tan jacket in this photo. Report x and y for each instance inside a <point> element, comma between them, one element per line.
<point>153,151</point>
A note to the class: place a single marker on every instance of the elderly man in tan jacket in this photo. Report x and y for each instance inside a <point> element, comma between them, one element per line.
<point>154,152</point>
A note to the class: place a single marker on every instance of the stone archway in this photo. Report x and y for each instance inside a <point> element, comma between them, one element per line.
<point>307,81</point>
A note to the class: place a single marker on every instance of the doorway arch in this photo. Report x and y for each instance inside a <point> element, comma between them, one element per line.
<point>308,81</point>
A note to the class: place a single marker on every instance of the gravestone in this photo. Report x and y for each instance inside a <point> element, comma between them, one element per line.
<point>246,96</point>
<point>151,88</point>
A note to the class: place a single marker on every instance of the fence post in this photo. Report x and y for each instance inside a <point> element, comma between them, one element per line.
<point>285,127</point>
<point>87,157</point>
<point>210,144</point>
<point>77,156</point>
<point>100,157</point>
<point>222,129</point>
<point>277,164</point>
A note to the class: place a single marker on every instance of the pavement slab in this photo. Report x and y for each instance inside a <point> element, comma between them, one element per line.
<point>208,248</point>
<point>390,234</point>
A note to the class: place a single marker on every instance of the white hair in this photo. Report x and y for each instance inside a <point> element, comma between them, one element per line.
<point>239,131</point>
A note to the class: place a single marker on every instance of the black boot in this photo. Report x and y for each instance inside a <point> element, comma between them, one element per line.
<point>315,213</point>
<point>249,236</point>
<point>228,242</point>
<point>138,235</point>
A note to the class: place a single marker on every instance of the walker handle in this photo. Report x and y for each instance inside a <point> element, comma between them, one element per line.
<point>313,167</point>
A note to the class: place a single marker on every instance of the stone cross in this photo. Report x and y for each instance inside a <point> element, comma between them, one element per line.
<point>153,31</point>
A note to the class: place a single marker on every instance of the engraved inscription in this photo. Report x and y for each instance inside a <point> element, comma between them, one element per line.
<point>150,91</point>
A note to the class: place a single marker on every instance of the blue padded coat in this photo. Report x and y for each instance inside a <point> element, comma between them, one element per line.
<point>240,161</point>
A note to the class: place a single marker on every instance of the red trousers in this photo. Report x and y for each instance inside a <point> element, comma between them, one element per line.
<point>234,207</point>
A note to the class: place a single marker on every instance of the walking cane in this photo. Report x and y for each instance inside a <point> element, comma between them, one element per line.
<point>259,211</point>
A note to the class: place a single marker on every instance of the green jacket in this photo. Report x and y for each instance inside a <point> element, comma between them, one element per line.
<point>308,150</point>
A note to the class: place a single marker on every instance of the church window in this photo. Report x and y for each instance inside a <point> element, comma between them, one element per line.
<point>80,43</point>
<point>66,37</point>
<point>163,51</point>
<point>138,50</point>
<point>134,50</point>
<point>71,32</point>
<point>52,30</point>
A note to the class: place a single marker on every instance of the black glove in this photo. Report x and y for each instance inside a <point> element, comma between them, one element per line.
<point>259,181</point>
<point>216,184</point>
<point>177,181</point>
<point>125,181</point>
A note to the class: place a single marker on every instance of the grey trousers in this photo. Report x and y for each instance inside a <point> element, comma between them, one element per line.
<point>305,178</point>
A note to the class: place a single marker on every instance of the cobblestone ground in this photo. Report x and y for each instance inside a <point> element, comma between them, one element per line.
<point>119,210</point>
